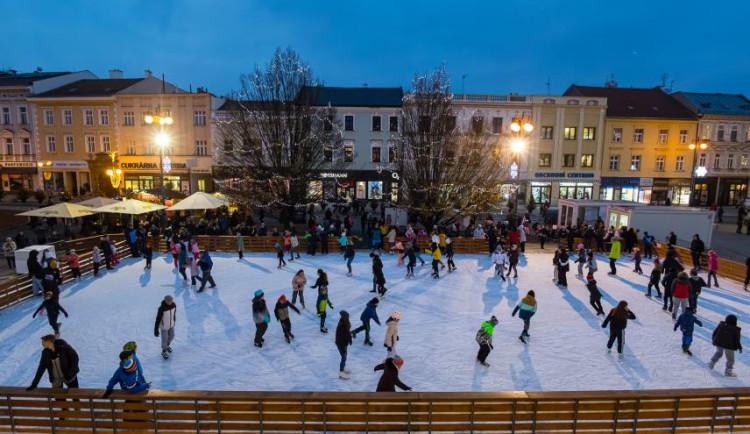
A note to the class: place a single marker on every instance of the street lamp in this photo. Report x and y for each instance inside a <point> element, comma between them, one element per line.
<point>161,138</point>
<point>115,174</point>
<point>520,127</point>
<point>694,147</point>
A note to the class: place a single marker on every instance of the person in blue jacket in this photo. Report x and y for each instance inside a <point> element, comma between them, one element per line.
<point>370,313</point>
<point>526,309</point>
<point>132,346</point>
<point>206,264</point>
<point>686,323</point>
<point>127,376</point>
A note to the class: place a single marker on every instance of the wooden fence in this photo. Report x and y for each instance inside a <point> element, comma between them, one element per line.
<point>599,412</point>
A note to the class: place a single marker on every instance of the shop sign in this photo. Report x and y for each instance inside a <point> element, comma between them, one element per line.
<point>139,166</point>
<point>647,182</point>
<point>169,165</point>
<point>334,175</point>
<point>679,182</point>
<point>614,181</point>
<point>569,175</point>
<point>70,164</point>
<point>514,170</point>
<point>17,164</point>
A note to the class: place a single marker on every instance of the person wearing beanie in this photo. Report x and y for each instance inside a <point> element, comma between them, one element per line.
<point>680,293</point>
<point>369,314</point>
<point>74,263</point>
<point>637,258</point>
<point>484,339</point>
<point>389,380</point>
<point>696,286</point>
<point>133,348</point>
<point>60,361</point>
<point>128,376</point>
<point>449,254</point>
<point>654,281</point>
<point>727,339</point>
<point>595,296</point>
<point>686,323</point>
<point>281,312</point>
<point>412,256</point>
<point>261,317</point>
<point>148,253</point>
<point>378,278</point>
<point>322,303</point>
<point>279,254</point>
<point>52,305</point>
<point>391,332</point>
<point>713,267</point>
<point>526,309</point>
<point>614,255</point>
<point>499,258</point>
<point>52,277</point>
<point>195,274</point>
<point>513,261</point>
<point>343,340</point>
<point>166,317</point>
<point>437,257</point>
<point>206,264</point>
<point>618,321</point>
<point>96,260</point>
<point>591,264</point>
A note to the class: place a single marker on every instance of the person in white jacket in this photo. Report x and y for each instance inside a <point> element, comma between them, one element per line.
<point>522,239</point>
<point>500,258</point>
<point>166,317</point>
<point>391,332</point>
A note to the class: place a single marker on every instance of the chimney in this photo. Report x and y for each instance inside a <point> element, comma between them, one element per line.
<point>148,73</point>
<point>115,73</point>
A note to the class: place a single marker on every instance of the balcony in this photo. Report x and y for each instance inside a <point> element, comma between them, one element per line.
<point>18,157</point>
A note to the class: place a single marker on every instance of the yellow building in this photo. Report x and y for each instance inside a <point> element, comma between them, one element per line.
<point>646,156</point>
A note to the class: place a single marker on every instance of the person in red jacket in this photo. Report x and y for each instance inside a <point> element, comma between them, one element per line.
<point>514,236</point>
<point>680,293</point>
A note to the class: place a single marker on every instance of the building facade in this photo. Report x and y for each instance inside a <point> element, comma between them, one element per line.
<point>646,154</point>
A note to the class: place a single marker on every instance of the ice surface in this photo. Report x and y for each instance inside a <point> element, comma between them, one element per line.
<point>214,348</point>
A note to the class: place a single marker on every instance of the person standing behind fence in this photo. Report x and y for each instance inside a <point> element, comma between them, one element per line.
<point>166,318</point>
<point>36,272</point>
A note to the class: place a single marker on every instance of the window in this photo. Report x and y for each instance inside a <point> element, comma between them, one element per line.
<point>69,146</point>
<point>569,160</point>
<point>67,117</point>
<point>9,146</point>
<point>128,119</point>
<point>349,123</point>
<point>734,133</point>
<point>497,125</point>
<point>720,133</point>
<point>743,160</point>
<point>573,102</point>
<point>638,135</point>
<point>392,152</point>
<point>199,117</point>
<point>592,102</point>
<point>614,162</point>
<point>51,145</point>
<point>26,143</point>
<point>375,152</point>
<point>23,116</point>
<point>425,124</point>
<point>348,152</point>
<point>104,118</point>
<point>105,144</point>
<point>376,123</point>
<point>6,115</point>
<point>635,162</point>
<point>131,148</point>
<point>616,135</point>
<point>545,160</point>
<point>201,148</point>
<point>680,164</point>
<point>148,148</point>
<point>477,124</point>
<point>547,132</point>
<point>730,161</point>
<point>569,133</point>
<point>660,159</point>
<point>91,144</point>
<point>702,159</point>
<point>683,136</point>
<point>587,160</point>
<point>663,136</point>
<point>328,153</point>
<point>49,117</point>
<point>393,124</point>
<point>717,161</point>
<point>88,117</point>
<point>589,133</point>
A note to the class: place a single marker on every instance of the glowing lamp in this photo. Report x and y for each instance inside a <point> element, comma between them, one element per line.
<point>528,127</point>
<point>149,119</point>
<point>515,127</point>
<point>162,139</point>
<point>701,171</point>
<point>517,145</point>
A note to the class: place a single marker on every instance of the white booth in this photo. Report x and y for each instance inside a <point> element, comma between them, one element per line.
<point>659,221</point>
<point>572,212</point>
<point>22,256</point>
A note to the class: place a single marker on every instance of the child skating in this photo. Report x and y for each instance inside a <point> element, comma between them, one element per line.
<point>322,302</point>
<point>526,309</point>
<point>686,323</point>
<point>654,281</point>
<point>281,312</point>
<point>499,258</point>
<point>618,321</point>
<point>484,339</point>
<point>369,314</point>
<point>637,259</point>
<point>449,254</point>
<point>595,296</point>
<point>727,339</point>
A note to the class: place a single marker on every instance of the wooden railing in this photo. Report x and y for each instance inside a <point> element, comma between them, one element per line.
<point>598,412</point>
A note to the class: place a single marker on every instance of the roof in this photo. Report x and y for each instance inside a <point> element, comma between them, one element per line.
<point>714,103</point>
<point>91,87</point>
<point>25,78</point>
<point>354,96</point>
<point>635,102</point>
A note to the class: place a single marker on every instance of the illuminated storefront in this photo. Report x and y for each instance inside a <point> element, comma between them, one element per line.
<point>181,173</point>
<point>356,185</point>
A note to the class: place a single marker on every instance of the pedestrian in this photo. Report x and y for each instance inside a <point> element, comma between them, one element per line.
<point>637,259</point>
<point>618,321</point>
<point>727,339</point>
<point>279,254</point>
<point>378,278</point>
<point>412,256</point>
<point>9,249</point>
<point>369,314</point>
<point>499,258</point>
<point>696,286</point>
<point>281,312</point>
<point>680,293</point>
<point>591,264</point>
<point>484,339</point>
<point>556,266</point>
<point>654,281</point>
<point>128,375</point>
<point>240,246</point>
<point>343,340</point>
<point>686,323</point>
<point>60,360</point>
<point>294,243</point>
<point>299,281</point>
<point>96,260</point>
<point>563,266</point>
<point>449,254</point>
<point>526,309</point>
<point>322,303</point>
<point>182,263</point>
<point>166,317</point>
<point>513,261</point>
<point>391,332</point>
<point>595,296</point>
<point>696,250</point>
<point>206,264</point>
<point>51,305</point>
<point>389,380</point>
<point>614,255</point>
<point>648,245</point>
<point>74,264</point>
<point>36,272</point>
<point>581,260</point>
<point>148,253</point>
<point>261,317</point>
<point>348,255</point>
<point>436,260</point>
<point>713,267</point>
<point>106,251</point>
<point>194,271</point>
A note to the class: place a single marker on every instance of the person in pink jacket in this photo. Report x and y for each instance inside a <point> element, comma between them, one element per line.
<point>195,249</point>
<point>713,266</point>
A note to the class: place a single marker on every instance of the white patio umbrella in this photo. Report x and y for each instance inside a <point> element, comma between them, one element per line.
<point>198,200</point>
<point>130,206</point>
<point>62,210</point>
<point>97,202</point>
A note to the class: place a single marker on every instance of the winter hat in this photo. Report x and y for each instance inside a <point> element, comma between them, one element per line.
<point>129,346</point>
<point>589,276</point>
<point>398,361</point>
<point>282,299</point>
<point>531,293</point>
<point>731,320</point>
<point>448,241</point>
<point>168,299</point>
<point>396,315</point>
<point>259,293</point>
<point>129,365</point>
<point>494,320</point>
<point>580,246</point>
<point>344,314</point>
<point>72,251</point>
<point>52,263</point>
<point>125,355</point>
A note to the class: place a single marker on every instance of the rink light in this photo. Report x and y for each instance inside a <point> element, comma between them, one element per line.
<point>528,127</point>
<point>517,145</point>
<point>515,127</point>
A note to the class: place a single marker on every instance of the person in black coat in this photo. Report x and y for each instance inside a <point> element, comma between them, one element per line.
<point>618,321</point>
<point>389,380</point>
<point>36,272</point>
<point>281,312</point>
<point>52,305</point>
<point>696,250</point>
<point>261,317</point>
<point>60,361</point>
<point>106,250</point>
<point>727,339</point>
<point>343,340</point>
<point>378,278</point>
<point>595,296</point>
<point>563,266</point>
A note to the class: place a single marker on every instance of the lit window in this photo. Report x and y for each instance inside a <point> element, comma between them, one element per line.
<point>587,160</point>
<point>392,152</point>
<point>348,152</point>
<point>635,162</point>
<point>545,160</point>
<point>569,133</point>
<point>375,152</point>
<point>589,133</point>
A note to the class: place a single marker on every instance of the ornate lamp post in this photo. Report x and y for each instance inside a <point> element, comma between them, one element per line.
<point>162,140</point>
<point>694,171</point>
<point>520,127</point>
<point>115,174</point>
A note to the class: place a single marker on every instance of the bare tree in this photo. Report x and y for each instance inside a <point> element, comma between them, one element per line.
<point>276,139</point>
<point>451,165</point>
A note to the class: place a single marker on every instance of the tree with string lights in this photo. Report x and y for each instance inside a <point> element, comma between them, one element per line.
<point>451,164</point>
<point>276,139</point>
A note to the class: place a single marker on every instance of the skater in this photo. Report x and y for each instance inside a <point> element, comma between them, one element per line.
<point>378,278</point>
<point>563,266</point>
<point>106,250</point>
<point>294,246</point>
<point>128,375</point>
<point>206,264</point>
<point>484,339</point>
<point>343,340</point>
<point>60,361</point>
<point>648,245</point>
<point>389,380</point>
<point>349,256</point>
<point>726,338</point>
<point>369,314</point>
<point>280,255</point>
<point>322,302</point>
<point>513,261</point>
<point>436,260</point>
<point>696,250</point>
<point>614,255</point>
<point>667,281</point>
<point>686,322</point>
<point>52,278</point>
<point>581,260</point>
<point>176,248</point>
<point>74,264</point>
<point>182,263</point>
<point>281,312</point>
<point>680,293</point>
<point>696,286</point>
<point>591,264</point>
<point>618,321</point>
<point>240,246</point>
<point>195,274</point>
<point>36,272</point>
<point>499,258</point>
<point>299,281</point>
<point>166,317</point>
<point>412,256</point>
<point>526,309</point>
<point>713,267</point>
<point>556,266</point>
<point>261,317</point>
<point>52,305</point>
<point>96,260</point>
<point>654,281</point>
<point>595,296</point>
<point>148,253</point>
<point>391,332</point>
<point>449,254</point>
<point>637,259</point>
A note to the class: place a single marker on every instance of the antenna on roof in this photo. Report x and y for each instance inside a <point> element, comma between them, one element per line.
<point>664,81</point>
<point>548,84</point>
<point>611,81</point>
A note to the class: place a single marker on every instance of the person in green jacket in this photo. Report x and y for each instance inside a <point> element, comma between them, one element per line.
<point>614,255</point>
<point>484,339</point>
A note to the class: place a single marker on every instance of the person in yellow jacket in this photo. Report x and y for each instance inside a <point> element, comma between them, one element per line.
<point>614,255</point>
<point>437,255</point>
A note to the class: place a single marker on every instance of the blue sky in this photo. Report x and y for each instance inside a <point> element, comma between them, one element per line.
<point>503,45</point>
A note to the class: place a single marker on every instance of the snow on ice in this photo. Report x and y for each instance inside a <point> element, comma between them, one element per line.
<point>213,348</point>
